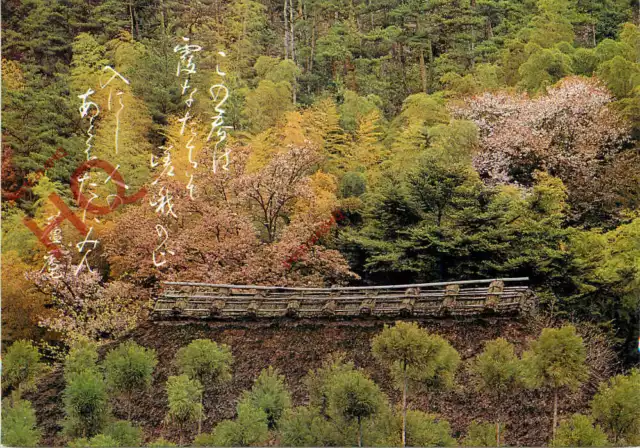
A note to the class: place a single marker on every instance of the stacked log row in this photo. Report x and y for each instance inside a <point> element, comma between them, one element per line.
<point>497,297</point>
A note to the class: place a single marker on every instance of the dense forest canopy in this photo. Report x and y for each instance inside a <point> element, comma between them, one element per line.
<point>459,139</point>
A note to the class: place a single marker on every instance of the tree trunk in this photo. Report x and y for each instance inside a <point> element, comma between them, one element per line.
<point>135,17</point>
<point>555,414</point>
<point>404,408</point>
<point>404,69</point>
<point>371,14</point>
<point>359,431</point>
<point>293,92</point>
<point>499,409</point>
<point>286,31</point>
<point>200,416</point>
<point>423,71</point>
<point>313,42</point>
<point>291,32</point>
<point>163,14</point>
<point>131,17</point>
<point>293,52</point>
<point>430,54</point>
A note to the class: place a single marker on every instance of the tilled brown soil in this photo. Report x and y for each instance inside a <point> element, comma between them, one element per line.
<point>295,347</point>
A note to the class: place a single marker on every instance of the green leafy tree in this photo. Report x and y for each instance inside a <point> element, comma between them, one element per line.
<point>19,423</point>
<point>412,354</point>
<point>579,430</point>
<point>556,360</point>
<point>615,406</point>
<point>609,283</point>
<point>319,381</point>
<point>128,370</point>
<point>87,62</point>
<point>244,29</point>
<point>543,68</point>
<point>352,184</point>
<point>266,105</point>
<point>86,404</point>
<point>82,356</point>
<point>354,108</point>
<point>185,402</point>
<point>552,23</point>
<point>354,397</point>
<point>22,367</point>
<point>497,370</point>
<point>483,434</point>
<point>620,75</point>
<point>153,77</point>
<point>205,361</point>
<point>269,393</point>
<point>584,62</point>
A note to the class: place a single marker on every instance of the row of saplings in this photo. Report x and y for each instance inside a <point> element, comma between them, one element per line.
<point>345,406</point>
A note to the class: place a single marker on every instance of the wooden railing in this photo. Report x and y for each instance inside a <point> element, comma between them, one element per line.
<point>505,297</point>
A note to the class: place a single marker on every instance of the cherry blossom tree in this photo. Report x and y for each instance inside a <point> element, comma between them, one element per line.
<point>84,307</point>
<point>570,132</point>
<point>278,185</point>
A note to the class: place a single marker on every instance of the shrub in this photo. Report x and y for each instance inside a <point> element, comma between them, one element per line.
<point>354,397</point>
<point>427,430</point>
<point>557,360</point>
<point>303,426</point>
<point>352,184</point>
<point>413,354</point>
<point>206,361</point>
<point>616,407</point>
<point>580,431</point>
<point>82,356</point>
<point>85,404</point>
<point>99,441</point>
<point>125,433</point>
<point>185,404</point>
<point>318,381</point>
<point>19,423</point>
<point>159,443</point>
<point>498,373</point>
<point>483,434</point>
<point>204,439</point>
<point>129,369</point>
<point>21,367</point>
<point>249,428</point>
<point>270,394</point>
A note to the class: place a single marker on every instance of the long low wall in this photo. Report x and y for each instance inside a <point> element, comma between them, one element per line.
<point>508,297</point>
